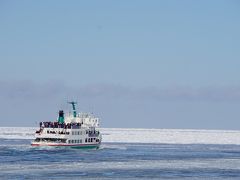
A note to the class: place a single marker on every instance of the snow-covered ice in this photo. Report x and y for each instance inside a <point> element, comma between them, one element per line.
<point>124,135</point>
<point>171,136</point>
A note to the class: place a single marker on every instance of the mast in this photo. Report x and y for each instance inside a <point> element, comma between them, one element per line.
<point>73,108</point>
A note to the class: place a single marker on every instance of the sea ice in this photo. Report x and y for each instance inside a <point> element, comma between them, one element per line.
<point>165,136</point>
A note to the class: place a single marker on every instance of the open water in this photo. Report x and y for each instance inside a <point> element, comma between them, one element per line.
<point>18,160</point>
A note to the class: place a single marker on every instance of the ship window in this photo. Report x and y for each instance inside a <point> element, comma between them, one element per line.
<point>72,141</point>
<point>89,140</point>
<point>69,141</point>
<point>80,141</point>
<point>86,140</point>
<point>78,132</point>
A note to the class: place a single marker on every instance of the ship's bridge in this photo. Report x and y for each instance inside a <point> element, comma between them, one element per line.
<point>87,119</point>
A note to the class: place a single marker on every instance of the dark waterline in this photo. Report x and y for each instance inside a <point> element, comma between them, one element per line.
<point>18,160</point>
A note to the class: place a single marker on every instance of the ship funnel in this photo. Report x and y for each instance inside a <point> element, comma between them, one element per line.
<point>61,116</point>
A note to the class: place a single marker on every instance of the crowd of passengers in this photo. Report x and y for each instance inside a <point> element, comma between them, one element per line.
<point>60,125</point>
<point>65,126</point>
<point>90,133</point>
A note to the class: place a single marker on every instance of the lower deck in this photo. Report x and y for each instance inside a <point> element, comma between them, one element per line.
<point>86,140</point>
<point>73,145</point>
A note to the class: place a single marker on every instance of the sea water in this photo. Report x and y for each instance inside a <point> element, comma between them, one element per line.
<point>129,160</point>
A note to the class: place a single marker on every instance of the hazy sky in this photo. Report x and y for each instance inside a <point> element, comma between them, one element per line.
<point>153,64</point>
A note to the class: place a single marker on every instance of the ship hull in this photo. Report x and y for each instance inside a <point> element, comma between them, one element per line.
<point>77,146</point>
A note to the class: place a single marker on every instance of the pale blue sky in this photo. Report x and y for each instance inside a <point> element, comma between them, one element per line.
<point>160,64</point>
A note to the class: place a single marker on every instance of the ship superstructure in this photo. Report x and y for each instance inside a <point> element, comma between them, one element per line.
<point>74,129</point>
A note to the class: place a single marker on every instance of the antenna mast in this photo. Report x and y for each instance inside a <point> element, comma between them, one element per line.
<point>73,108</point>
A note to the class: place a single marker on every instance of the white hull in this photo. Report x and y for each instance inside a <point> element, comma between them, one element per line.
<point>93,145</point>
